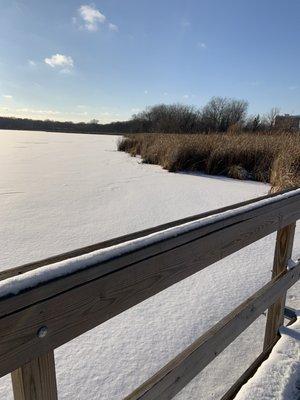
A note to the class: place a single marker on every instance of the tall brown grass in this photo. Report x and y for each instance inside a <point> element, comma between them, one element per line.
<point>273,158</point>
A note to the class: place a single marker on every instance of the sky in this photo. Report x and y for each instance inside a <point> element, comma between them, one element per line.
<point>108,59</point>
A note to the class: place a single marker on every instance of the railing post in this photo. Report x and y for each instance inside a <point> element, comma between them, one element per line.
<point>36,380</point>
<point>283,252</point>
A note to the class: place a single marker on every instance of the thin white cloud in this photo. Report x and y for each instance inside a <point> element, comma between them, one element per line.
<point>66,71</point>
<point>293,87</point>
<point>113,27</point>
<point>7,96</point>
<point>83,113</point>
<point>91,17</point>
<point>38,112</point>
<point>202,45</point>
<point>165,93</point>
<point>185,96</point>
<point>146,91</point>
<point>31,63</point>
<point>60,61</point>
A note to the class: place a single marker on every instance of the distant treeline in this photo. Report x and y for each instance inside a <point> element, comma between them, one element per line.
<point>58,126</point>
<point>219,115</point>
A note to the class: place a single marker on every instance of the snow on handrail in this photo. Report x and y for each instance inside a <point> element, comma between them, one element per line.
<point>30,279</point>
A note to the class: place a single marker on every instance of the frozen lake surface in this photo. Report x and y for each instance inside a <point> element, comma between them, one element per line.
<point>60,191</point>
<point>63,191</point>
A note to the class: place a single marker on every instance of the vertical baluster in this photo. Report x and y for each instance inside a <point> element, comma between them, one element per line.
<point>36,380</point>
<point>283,252</point>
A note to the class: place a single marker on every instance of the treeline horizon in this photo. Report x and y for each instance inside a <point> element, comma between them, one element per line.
<point>220,114</point>
<point>14,123</point>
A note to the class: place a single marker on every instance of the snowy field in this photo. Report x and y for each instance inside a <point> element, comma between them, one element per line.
<point>59,192</point>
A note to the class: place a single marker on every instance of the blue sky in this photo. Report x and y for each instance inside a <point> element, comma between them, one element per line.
<point>77,60</point>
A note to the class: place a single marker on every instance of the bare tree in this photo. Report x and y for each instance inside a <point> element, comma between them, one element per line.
<point>270,117</point>
<point>220,113</point>
<point>168,118</point>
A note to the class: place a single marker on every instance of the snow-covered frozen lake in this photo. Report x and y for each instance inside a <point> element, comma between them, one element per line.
<point>63,191</point>
<point>59,192</point>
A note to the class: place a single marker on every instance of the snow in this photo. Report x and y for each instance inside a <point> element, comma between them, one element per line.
<point>279,376</point>
<point>59,192</point>
<point>48,272</point>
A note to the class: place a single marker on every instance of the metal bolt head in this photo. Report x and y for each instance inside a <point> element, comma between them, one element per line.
<point>42,332</point>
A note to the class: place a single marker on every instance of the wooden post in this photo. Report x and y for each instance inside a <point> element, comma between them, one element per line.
<point>36,380</point>
<point>283,252</point>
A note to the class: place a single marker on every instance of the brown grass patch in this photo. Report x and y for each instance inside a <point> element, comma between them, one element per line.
<point>273,158</point>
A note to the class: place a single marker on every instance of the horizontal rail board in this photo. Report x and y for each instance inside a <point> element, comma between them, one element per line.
<point>69,311</point>
<point>290,313</point>
<point>235,388</point>
<point>175,258</point>
<point>250,371</point>
<point>172,378</point>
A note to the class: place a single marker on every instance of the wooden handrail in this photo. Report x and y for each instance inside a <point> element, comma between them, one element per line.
<point>251,370</point>
<point>182,369</point>
<point>69,305</point>
<point>9,272</point>
<point>217,239</point>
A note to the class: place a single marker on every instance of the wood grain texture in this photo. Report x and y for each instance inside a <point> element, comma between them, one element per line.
<point>243,379</point>
<point>283,252</point>
<point>72,305</point>
<point>181,370</point>
<point>36,380</point>
<point>185,254</point>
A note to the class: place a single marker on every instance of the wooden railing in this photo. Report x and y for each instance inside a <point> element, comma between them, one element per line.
<point>38,319</point>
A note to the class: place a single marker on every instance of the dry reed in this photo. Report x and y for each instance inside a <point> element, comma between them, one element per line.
<point>273,158</point>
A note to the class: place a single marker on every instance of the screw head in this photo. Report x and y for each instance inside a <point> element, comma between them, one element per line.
<point>42,332</point>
